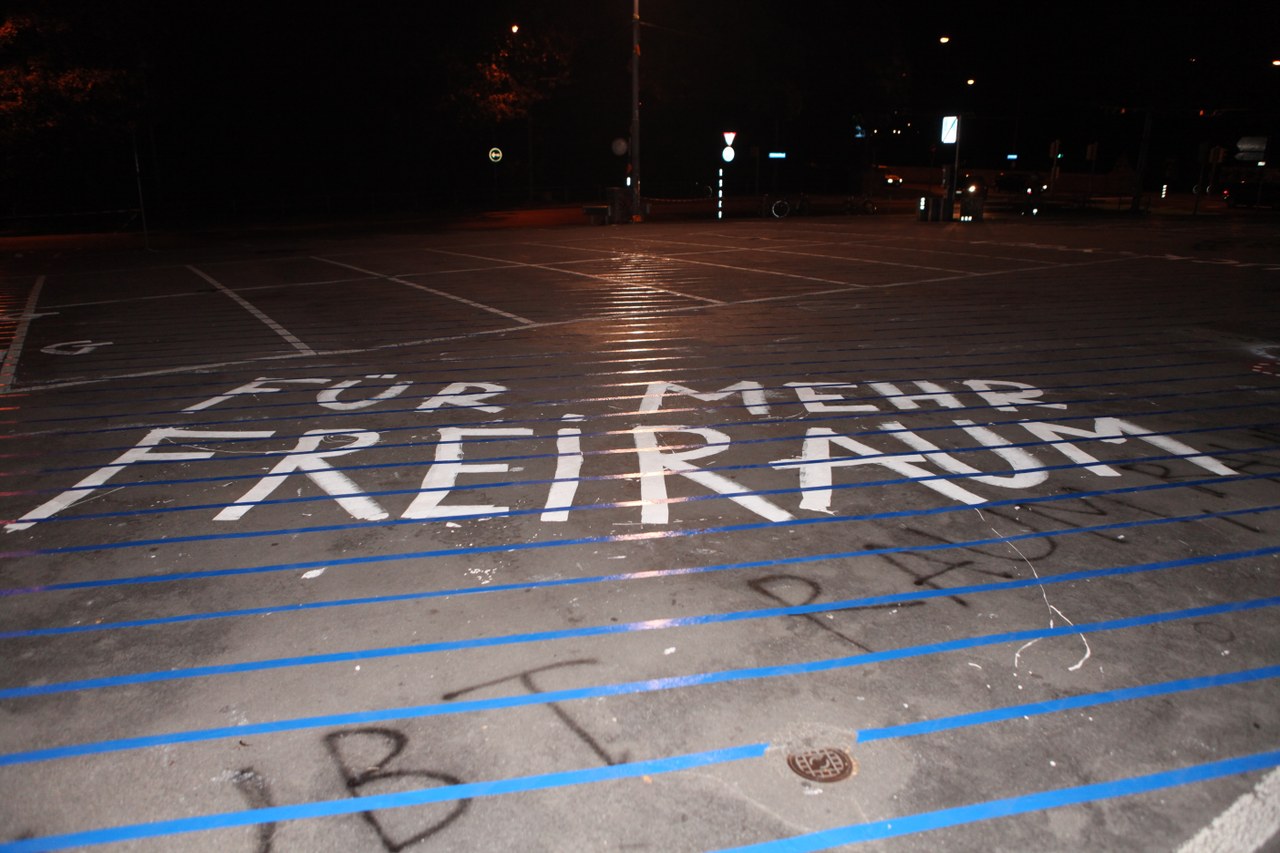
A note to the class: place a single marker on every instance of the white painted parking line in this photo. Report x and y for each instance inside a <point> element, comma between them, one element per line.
<point>252,309</point>
<point>523,320</point>
<point>994,273</point>
<point>9,370</point>
<point>704,299</point>
<point>188,294</point>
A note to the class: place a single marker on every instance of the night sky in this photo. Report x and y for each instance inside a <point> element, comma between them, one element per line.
<point>241,108</point>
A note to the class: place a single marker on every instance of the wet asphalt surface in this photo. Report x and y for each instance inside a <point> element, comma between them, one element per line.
<point>576,538</point>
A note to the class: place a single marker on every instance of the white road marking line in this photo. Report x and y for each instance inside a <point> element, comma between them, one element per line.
<point>129,299</point>
<point>852,259</point>
<point>708,300</point>
<point>9,370</point>
<point>842,288</point>
<point>252,309</point>
<point>688,260</point>
<point>1016,271</point>
<point>685,259</point>
<point>1249,823</point>
<point>431,290</point>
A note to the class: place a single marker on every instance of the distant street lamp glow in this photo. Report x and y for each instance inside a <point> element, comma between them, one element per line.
<point>969,82</point>
<point>944,39</point>
<point>515,28</point>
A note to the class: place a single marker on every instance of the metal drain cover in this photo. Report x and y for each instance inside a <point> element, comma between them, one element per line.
<point>823,765</point>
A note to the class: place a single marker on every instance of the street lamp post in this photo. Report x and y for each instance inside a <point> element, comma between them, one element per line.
<point>951,136</point>
<point>636,209</point>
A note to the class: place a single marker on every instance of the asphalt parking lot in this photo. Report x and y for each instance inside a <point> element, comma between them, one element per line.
<point>814,533</point>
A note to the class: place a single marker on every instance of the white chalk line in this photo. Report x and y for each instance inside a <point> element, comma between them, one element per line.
<point>9,369</point>
<point>1052,609</point>
<point>442,294</point>
<point>209,366</point>
<point>596,277</point>
<point>253,309</point>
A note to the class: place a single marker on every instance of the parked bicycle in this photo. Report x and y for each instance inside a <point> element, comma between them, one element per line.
<point>782,206</point>
<point>860,204</point>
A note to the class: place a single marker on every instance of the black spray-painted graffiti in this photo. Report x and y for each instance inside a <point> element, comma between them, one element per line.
<point>256,792</point>
<point>364,758</point>
<point>779,587</point>
<point>525,678</point>
<point>661,451</point>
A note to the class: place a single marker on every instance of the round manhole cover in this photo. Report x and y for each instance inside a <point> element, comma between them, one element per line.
<point>823,765</point>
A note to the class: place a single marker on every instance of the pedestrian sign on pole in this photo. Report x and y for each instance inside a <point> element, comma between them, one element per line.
<point>950,129</point>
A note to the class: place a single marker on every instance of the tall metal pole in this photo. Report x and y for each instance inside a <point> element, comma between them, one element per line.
<point>1135,205</point>
<point>636,209</point>
<point>137,176</point>
<point>948,212</point>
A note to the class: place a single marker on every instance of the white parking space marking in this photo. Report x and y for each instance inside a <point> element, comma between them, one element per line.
<point>252,309</point>
<point>640,248</point>
<point>10,367</point>
<point>558,269</point>
<point>522,320</point>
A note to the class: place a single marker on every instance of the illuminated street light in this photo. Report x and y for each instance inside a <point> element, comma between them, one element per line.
<point>969,82</point>
<point>944,40</point>
<point>515,28</point>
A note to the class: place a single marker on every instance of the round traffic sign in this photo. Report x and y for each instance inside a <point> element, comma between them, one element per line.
<point>495,154</point>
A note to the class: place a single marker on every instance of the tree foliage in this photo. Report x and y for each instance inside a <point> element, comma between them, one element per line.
<point>44,86</point>
<point>509,79</point>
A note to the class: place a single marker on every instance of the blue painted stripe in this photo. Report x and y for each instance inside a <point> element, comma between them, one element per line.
<point>1033,709</point>
<point>848,604</point>
<point>1040,801</point>
<point>906,825</point>
<point>367,559</point>
<point>378,802</point>
<point>758,525</point>
<point>357,655</point>
<point>625,688</point>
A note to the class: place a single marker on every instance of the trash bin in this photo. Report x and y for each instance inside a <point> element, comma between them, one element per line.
<point>619,204</point>
<point>971,208</point>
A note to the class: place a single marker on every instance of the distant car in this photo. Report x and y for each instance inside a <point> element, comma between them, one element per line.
<point>1021,183</point>
<point>1250,193</point>
<point>882,176</point>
